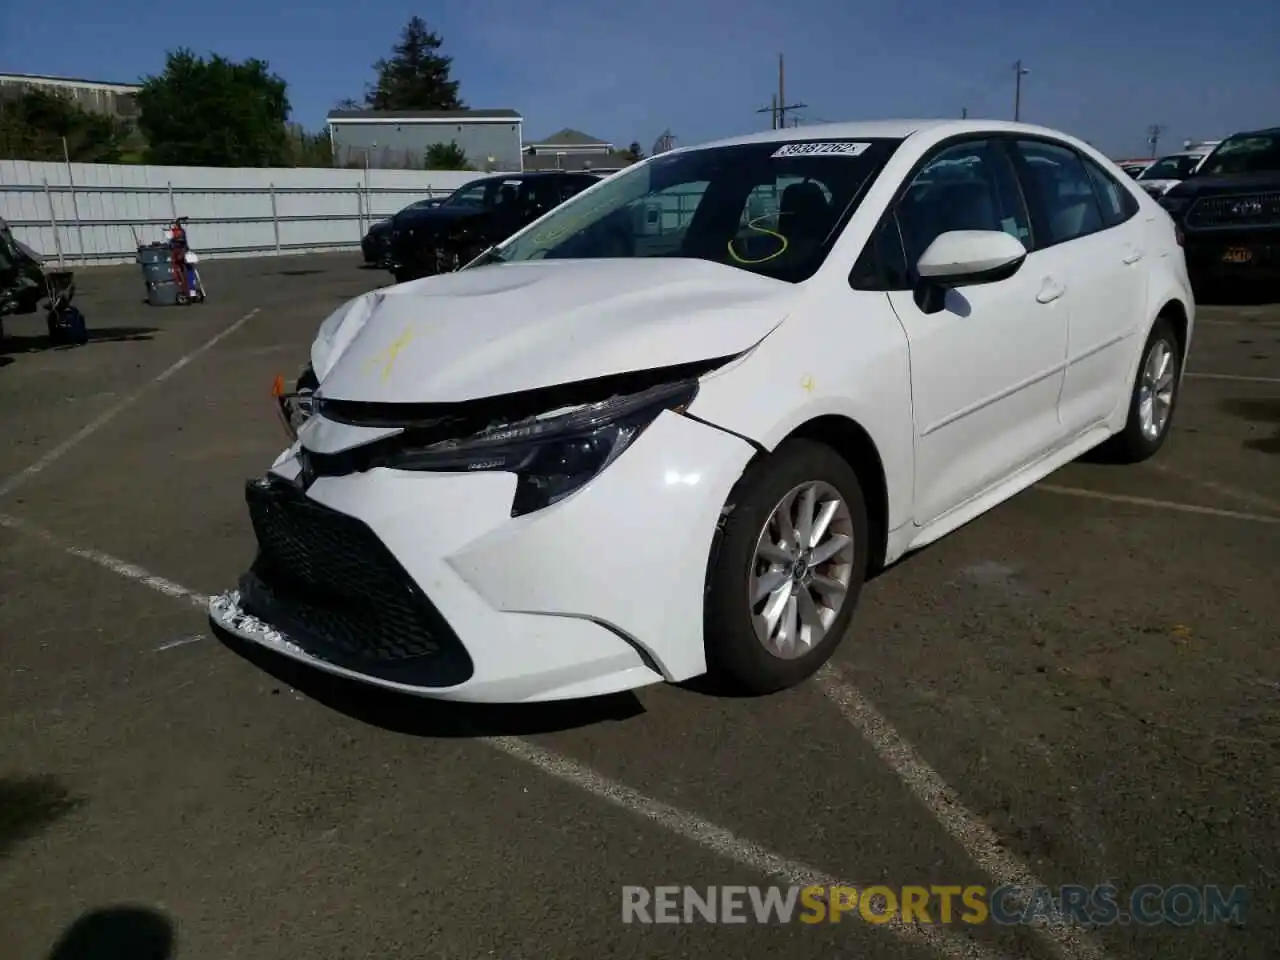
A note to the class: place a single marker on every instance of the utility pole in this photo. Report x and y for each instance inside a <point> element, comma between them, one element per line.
<point>1153,138</point>
<point>1018,73</point>
<point>780,107</point>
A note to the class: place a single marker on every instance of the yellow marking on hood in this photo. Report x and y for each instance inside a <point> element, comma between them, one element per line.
<point>387,358</point>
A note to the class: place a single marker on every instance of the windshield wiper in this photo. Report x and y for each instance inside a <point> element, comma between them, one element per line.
<point>489,256</point>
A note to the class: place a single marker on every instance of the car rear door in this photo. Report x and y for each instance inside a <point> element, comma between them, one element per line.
<point>987,369</point>
<point>1084,225</point>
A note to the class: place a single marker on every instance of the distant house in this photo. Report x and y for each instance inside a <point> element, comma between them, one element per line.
<point>97,96</point>
<point>574,150</point>
<point>491,139</point>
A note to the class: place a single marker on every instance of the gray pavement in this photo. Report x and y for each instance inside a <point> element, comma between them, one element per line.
<point>1080,687</point>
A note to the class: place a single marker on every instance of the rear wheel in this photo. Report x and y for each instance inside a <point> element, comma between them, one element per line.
<point>785,579</point>
<point>1152,399</point>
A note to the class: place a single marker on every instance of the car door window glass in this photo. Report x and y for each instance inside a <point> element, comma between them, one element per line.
<point>1117,203</point>
<point>883,264</point>
<point>969,186</point>
<point>1059,188</point>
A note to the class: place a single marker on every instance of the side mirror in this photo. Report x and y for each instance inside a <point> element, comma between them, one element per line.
<point>965,257</point>
<point>960,258</point>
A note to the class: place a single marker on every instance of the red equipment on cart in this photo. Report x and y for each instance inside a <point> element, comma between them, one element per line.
<point>183,263</point>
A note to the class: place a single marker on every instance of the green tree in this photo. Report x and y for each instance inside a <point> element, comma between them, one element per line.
<point>445,156</point>
<point>215,113</point>
<point>416,76</point>
<point>634,153</point>
<point>309,149</point>
<point>34,122</point>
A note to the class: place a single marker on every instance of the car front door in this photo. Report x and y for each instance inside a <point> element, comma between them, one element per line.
<point>1084,225</point>
<point>986,370</point>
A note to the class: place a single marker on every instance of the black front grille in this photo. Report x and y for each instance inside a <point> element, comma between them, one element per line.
<point>326,580</point>
<point>1244,210</point>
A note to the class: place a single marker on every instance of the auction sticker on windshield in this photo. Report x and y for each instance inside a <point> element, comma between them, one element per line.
<point>822,148</point>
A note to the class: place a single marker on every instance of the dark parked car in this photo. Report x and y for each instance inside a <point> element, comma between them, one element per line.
<point>1228,211</point>
<point>376,244</point>
<point>474,217</point>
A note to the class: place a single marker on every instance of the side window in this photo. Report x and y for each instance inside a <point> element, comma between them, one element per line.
<point>968,186</point>
<point>1118,204</point>
<point>573,185</point>
<point>1060,192</point>
<point>883,264</point>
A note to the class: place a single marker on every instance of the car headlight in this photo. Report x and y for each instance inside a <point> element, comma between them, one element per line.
<point>1173,204</point>
<point>556,453</point>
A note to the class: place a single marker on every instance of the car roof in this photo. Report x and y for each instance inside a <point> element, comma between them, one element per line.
<point>880,129</point>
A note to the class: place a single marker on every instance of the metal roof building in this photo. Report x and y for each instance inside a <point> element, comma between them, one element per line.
<point>399,139</point>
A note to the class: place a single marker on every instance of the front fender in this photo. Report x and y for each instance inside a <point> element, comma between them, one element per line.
<point>861,374</point>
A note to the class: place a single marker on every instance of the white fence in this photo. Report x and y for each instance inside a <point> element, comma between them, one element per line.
<point>92,213</point>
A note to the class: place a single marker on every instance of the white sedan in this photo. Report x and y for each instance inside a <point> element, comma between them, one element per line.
<point>669,427</point>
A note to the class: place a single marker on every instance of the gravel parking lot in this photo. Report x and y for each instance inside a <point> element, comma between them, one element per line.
<point>1080,687</point>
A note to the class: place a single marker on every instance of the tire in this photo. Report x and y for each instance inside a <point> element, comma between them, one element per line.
<point>736,654</point>
<point>1143,436</point>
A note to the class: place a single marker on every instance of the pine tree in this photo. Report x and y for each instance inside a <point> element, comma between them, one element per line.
<point>416,76</point>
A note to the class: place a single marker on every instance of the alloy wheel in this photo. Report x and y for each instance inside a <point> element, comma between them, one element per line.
<point>1155,389</point>
<point>801,571</point>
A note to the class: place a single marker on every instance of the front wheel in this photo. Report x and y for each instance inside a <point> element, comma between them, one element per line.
<point>1151,400</point>
<point>786,576</point>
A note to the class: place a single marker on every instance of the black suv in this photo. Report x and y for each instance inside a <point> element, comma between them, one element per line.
<point>376,245</point>
<point>1228,211</point>
<point>443,238</point>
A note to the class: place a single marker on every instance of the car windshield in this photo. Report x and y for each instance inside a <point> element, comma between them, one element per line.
<point>1170,168</point>
<point>422,204</point>
<point>478,193</point>
<point>1247,153</point>
<point>772,208</point>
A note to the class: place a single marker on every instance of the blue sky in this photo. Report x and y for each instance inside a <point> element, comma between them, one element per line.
<point>1101,70</point>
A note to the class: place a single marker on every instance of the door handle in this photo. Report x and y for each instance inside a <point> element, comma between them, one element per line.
<point>1132,255</point>
<point>1050,290</point>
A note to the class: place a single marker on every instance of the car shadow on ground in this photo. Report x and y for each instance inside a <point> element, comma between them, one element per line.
<point>422,717</point>
<point>29,805</point>
<point>1258,411</point>
<point>11,345</point>
<point>123,932</point>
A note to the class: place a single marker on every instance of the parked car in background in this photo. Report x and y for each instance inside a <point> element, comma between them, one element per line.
<point>1228,211</point>
<point>1134,168</point>
<point>376,244</point>
<point>668,428</point>
<point>442,238</point>
<point>1167,172</point>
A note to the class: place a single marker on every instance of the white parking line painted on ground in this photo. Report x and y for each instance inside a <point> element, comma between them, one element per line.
<point>117,566</point>
<point>948,944</point>
<point>1244,496</point>
<point>182,642</point>
<point>1264,324</point>
<point>978,840</point>
<point>1230,376</point>
<point>724,843</point>
<point>1155,504</point>
<point>22,476</point>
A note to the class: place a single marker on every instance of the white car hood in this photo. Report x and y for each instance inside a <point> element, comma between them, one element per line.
<point>509,327</point>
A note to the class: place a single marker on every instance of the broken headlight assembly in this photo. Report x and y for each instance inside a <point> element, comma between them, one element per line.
<point>295,407</point>
<point>555,453</point>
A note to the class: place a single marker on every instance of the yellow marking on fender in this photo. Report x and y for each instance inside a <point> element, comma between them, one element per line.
<point>388,356</point>
<point>806,384</point>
